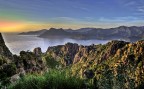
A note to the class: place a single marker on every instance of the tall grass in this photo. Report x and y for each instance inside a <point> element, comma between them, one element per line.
<point>53,79</point>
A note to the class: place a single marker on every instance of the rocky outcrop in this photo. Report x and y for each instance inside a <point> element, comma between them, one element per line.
<point>37,51</point>
<point>116,58</point>
<point>73,53</point>
<point>12,67</point>
<point>66,53</point>
<point>30,62</point>
<point>1,38</point>
<point>4,51</point>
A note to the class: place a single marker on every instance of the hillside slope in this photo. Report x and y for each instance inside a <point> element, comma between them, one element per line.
<point>12,67</point>
<point>117,64</point>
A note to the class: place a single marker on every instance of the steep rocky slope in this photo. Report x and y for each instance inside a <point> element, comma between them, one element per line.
<point>72,53</point>
<point>13,67</point>
<point>3,48</point>
<point>117,64</point>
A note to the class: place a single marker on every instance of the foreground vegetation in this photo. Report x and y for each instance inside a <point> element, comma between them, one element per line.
<point>63,79</point>
<point>53,79</point>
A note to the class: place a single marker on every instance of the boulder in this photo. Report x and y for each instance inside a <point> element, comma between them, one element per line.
<point>14,78</point>
<point>37,51</point>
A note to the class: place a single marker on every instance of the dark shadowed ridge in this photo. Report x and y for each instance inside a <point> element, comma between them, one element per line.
<point>4,49</point>
<point>1,39</point>
<point>34,32</point>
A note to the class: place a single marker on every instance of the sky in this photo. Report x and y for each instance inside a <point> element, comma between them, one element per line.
<point>27,15</point>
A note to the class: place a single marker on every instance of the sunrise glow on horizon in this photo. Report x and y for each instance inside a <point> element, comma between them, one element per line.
<point>29,15</point>
<point>9,26</point>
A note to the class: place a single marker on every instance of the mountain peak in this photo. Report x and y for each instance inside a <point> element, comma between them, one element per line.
<point>122,27</point>
<point>1,38</point>
<point>55,29</point>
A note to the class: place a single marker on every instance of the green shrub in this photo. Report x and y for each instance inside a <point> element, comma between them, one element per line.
<point>6,72</point>
<point>2,60</point>
<point>53,79</point>
<point>51,63</point>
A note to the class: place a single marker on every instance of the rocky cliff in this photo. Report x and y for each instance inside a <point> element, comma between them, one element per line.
<point>72,53</point>
<point>104,63</point>
<point>4,51</point>
<point>13,67</point>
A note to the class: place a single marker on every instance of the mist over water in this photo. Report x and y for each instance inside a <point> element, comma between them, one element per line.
<point>17,43</point>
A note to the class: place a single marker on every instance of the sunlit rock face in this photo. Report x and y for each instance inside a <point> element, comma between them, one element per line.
<point>116,57</point>
<point>65,53</point>
<point>72,53</point>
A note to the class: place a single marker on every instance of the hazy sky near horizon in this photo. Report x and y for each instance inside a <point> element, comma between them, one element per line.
<point>26,15</point>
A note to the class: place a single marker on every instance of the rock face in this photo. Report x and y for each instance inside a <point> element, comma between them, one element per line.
<point>37,51</point>
<point>13,67</point>
<point>116,58</point>
<point>7,67</point>
<point>66,52</point>
<point>1,38</point>
<point>3,48</point>
<point>30,62</point>
<point>72,53</point>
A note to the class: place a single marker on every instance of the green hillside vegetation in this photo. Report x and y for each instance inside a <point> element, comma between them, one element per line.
<point>115,65</point>
<point>53,79</point>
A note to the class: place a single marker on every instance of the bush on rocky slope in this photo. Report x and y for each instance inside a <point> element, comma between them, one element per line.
<point>53,79</point>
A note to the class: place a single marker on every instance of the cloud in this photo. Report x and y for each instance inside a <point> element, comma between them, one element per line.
<point>63,20</point>
<point>141,9</point>
<point>73,20</point>
<point>137,6</point>
<point>81,8</point>
<point>130,3</point>
<point>89,18</point>
<point>101,22</point>
<point>119,19</point>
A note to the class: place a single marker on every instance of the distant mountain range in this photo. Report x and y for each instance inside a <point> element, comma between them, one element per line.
<point>37,33</point>
<point>132,33</point>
